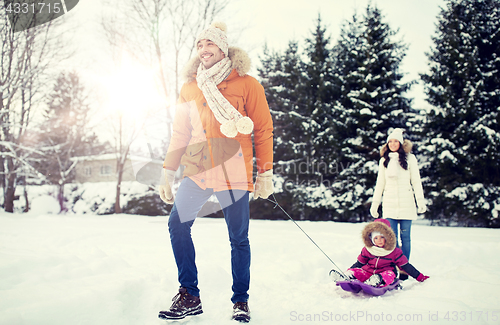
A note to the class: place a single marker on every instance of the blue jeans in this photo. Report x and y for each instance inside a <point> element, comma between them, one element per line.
<point>190,199</point>
<point>405,226</point>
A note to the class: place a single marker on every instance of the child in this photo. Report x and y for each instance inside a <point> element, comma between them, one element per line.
<point>379,260</point>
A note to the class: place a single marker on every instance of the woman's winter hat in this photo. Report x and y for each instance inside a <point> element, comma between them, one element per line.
<point>216,32</point>
<point>396,134</point>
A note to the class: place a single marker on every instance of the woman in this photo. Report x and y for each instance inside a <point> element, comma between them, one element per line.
<point>399,181</point>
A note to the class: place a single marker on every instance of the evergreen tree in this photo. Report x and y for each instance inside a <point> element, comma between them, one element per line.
<point>320,141</point>
<point>281,75</point>
<point>299,93</point>
<point>65,133</point>
<point>370,102</point>
<point>463,86</point>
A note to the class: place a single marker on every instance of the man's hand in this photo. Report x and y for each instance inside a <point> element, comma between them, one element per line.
<point>166,189</point>
<point>264,185</point>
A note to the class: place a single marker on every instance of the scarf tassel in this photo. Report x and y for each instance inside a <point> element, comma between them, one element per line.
<point>230,129</point>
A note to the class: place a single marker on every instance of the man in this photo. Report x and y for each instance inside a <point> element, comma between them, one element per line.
<point>220,107</point>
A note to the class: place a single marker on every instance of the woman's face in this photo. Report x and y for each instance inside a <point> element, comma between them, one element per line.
<point>393,145</point>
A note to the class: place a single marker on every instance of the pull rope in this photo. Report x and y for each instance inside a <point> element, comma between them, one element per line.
<point>276,204</point>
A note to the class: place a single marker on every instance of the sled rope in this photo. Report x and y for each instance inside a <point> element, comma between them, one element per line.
<point>276,204</point>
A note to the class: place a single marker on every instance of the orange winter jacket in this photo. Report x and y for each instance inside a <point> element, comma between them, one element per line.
<point>211,159</point>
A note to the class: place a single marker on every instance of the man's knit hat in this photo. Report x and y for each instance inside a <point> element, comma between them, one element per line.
<point>216,32</point>
<point>396,134</point>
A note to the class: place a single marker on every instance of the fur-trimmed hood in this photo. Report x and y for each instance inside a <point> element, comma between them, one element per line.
<point>239,60</point>
<point>381,226</point>
<point>407,146</point>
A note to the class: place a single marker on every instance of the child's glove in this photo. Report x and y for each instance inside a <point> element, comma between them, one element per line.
<point>422,278</point>
<point>374,209</point>
<point>264,185</point>
<point>166,189</point>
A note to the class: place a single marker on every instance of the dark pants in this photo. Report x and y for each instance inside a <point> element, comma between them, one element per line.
<point>188,202</point>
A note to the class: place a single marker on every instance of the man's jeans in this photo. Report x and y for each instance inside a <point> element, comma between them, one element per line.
<point>190,199</point>
<point>405,226</point>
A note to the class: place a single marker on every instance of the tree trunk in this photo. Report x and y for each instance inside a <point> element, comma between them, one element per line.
<point>60,198</point>
<point>26,200</point>
<point>10,193</point>
<point>118,209</point>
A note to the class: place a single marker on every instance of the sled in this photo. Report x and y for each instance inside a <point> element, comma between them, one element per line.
<point>356,286</point>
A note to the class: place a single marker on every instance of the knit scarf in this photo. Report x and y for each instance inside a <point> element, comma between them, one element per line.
<point>393,166</point>
<point>230,119</point>
<point>378,251</point>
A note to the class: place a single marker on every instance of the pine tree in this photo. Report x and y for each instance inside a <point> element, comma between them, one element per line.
<point>319,138</point>
<point>463,86</point>
<point>371,101</point>
<point>299,92</point>
<point>281,75</point>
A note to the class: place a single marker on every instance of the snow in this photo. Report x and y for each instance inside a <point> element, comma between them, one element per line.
<point>119,269</point>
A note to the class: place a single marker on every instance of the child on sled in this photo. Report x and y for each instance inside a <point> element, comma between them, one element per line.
<point>378,263</point>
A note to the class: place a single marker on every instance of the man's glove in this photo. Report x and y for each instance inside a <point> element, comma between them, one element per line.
<point>264,185</point>
<point>165,189</point>
<point>422,278</point>
<point>374,209</point>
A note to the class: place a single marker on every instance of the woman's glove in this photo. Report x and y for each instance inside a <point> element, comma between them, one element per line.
<point>264,185</point>
<point>422,278</point>
<point>166,189</point>
<point>374,209</point>
<point>421,206</point>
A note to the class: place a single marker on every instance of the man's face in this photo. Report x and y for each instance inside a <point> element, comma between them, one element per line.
<point>209,53</point>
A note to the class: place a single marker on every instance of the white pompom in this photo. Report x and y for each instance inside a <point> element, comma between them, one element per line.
<point>228,128</point>
<point>244,125</point>
<point>220,25</point>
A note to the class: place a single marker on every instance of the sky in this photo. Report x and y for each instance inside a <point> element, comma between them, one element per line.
<point>255,23</point>
<point>279,21</point>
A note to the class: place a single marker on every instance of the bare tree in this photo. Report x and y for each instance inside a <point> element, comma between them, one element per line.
<point>161,35</point>
<point>26,58</point>
<point>66,132</point>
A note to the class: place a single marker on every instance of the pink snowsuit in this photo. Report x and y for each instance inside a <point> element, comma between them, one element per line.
<point>384,263</point>
<point>369,264</point>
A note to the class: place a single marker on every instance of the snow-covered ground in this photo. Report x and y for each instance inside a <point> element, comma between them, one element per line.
<point>119,269</point>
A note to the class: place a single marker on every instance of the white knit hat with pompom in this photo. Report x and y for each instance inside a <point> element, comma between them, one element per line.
<point>216,32</point>
<point>396,134</point>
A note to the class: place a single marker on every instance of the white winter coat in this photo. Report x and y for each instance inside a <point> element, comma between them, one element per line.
<point>400,189</point>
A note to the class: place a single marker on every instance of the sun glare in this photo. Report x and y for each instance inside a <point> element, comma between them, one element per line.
<point>133,92</point>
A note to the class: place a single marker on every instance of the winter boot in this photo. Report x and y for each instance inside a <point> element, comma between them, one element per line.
<point>337,276</point>
<point>184,304</point>
<point>241,313</point>
<point>375,280</point>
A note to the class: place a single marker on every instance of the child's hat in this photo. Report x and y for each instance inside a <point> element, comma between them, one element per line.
<point>375,234</point>
<point>383,226</point>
